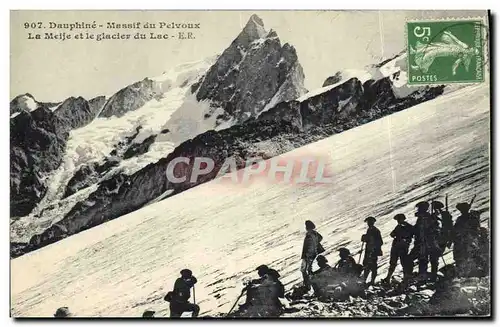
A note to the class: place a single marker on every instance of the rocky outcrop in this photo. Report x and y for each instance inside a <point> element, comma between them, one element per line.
<point>333,79</point>
<point>76,112</point>
<point>38,140</point>
<point>39,133</point>
<point>136,149</point>
<point>96,104</point>
<point>27,103</point>
<point>131,98</point>
<point>467,298</point>
<point>254,73</point>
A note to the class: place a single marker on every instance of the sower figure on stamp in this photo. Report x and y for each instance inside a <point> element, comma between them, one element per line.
<point>311,248</point>
<point>181,294</point>
<point>373,240</point>
<point>426,240</point>
<point>402,236</point>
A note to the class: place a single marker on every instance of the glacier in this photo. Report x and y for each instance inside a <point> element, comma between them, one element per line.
<point>222,233</point>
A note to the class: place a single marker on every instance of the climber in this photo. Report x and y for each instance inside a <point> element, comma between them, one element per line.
<point>262,295</point>
<point>426,246</point>
<point>148,314</point>
<point>311,248</point>
<point>63,312</point>
<point>446,223</point>
<point>322,263</point>
<point>181,294</point>
<point>347,266</point>
<point>460,229</point>
<point>402,236</point>
<point>373,240</point>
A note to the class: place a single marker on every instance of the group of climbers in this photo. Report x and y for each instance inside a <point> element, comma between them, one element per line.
<point>433,232</point>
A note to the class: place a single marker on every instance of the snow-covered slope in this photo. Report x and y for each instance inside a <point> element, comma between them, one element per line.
<point>222,233</point>
<point>145,121</point>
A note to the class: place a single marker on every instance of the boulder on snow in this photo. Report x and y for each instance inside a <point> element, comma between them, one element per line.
<point>332,285</point>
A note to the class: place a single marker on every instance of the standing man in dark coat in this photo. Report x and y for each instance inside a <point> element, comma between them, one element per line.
<point>427,234</point>
<point>402,236</point>
<point>373,240</point>
<point>443,216</point>
<point>181,294</point>
<point>460,231</point>
<point>311,248</point>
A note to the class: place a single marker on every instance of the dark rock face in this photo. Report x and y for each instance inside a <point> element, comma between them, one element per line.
<point>131,98</point>
<point>333,79</point>
<point>38,140</point>
<point>17,249</point>
<point>96,104</point>
<point>136,149</point>
<point>26,102</point>
<point>76,112</point>
<point>23,102</point>
<point>254,71</point>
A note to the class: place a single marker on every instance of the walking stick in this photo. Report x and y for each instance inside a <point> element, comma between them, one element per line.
<point>236,302</point>
<point>472,201</point>
<point>360,252</point>
<point>194,295</point>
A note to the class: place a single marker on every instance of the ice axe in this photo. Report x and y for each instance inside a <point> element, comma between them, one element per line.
<point>236,302</point>
<point>472,201</point>
<point>361,251</point>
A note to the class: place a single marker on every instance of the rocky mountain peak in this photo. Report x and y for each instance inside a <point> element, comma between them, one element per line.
<point>130,98</point>
<point>253,30</point>
<point>23,102</point>
<point>253,74</point>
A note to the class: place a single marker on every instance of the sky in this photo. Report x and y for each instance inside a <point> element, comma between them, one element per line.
<point>326,42</point>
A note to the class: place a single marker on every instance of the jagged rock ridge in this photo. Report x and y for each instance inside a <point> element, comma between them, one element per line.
<point>131,98</point>
<point>252,74</point>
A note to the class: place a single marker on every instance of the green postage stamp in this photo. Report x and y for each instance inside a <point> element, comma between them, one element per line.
<point>445,51</point>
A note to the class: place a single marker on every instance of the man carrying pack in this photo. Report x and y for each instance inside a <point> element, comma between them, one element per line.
<point>347,266</point>
<point>402,236</point>
<point>311,248</point>
<point>373,240</point>
<point>322,264</point>
<point>446,220</point>
<point>427,234</point>
<point>179,301</point>
<point>460,231</point>
<point>262,295</point>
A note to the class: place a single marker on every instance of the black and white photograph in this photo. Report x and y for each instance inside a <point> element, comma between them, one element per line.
<point>216,164</point>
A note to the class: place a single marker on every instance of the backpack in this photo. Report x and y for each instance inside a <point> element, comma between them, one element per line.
<point>320,249</point>
<point>169,297</point>
<point>358,269</point>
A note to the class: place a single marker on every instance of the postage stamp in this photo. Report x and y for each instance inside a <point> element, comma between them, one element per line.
<point>447,51</point>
